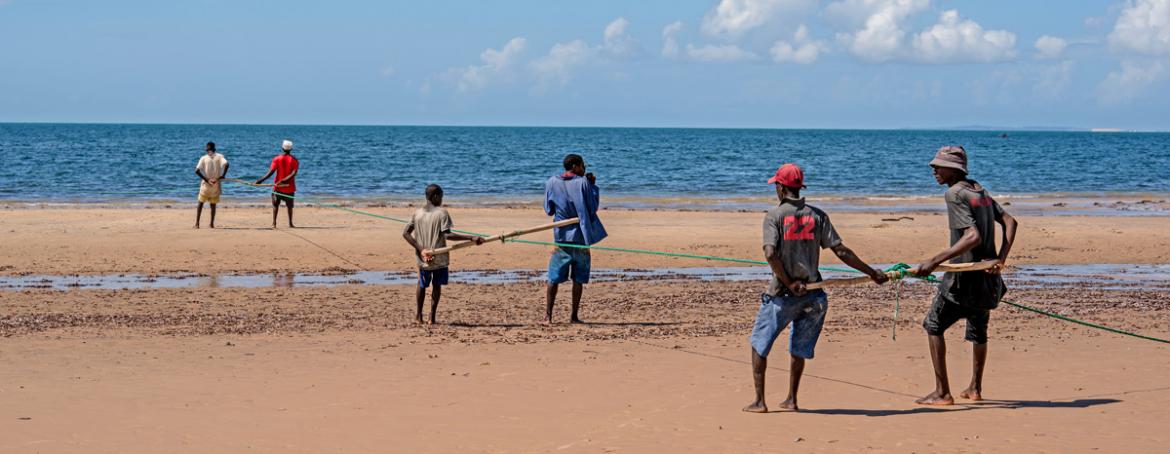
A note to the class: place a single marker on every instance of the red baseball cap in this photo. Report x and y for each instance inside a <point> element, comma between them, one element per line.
<point>789,175</point>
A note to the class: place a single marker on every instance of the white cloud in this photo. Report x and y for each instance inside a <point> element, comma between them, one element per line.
<point>616,42</point>
<point>1053,82</point>
<point>1050,47</point>
<point>731,18</point>
<point>497,64</point>
<point>669,42</point>
<point>881,37</point>
<point>1122,86</point>
<point>616,29</point>
<point>557,66</point>
<point>724,53</point>
<point>955,40</point>
<point>1143,27</point>
<point>706,53</point>
<point>800,50</point>
<point>1000,87</point>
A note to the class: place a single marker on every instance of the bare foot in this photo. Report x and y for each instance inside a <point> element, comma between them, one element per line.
<point>274,226</point>
<point>196,225</point>
<point>547,321</point>
<point>789,404</point>
<point>576,320</point>
<point>292,226</point>
<point>212,226</point>
<point>431,321</point>
<point>418,319</point>
<point>971,394</point>
<point>935,398</point>
<point>756,407</point>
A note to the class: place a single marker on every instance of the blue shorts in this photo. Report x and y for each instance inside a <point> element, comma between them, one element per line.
<point>566,261</point>
<point>805,313</point>
<point>438,277</point>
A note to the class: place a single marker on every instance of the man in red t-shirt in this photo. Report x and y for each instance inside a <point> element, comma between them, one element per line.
<point>285,167</point>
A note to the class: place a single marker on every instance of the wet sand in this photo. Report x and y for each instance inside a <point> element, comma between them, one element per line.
<point>662,366</point>
<point>104,241</point>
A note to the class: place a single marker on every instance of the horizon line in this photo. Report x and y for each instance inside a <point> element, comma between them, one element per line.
<point>1034,128</point>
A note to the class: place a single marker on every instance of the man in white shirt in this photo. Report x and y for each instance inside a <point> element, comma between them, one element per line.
<point>212,168</point>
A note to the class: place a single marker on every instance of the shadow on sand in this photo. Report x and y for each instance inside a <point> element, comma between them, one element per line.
<point>586,324</point>
<point>486,325</point>
<point>981,405</point>
<point>279,228</point>
<point>591,324</point>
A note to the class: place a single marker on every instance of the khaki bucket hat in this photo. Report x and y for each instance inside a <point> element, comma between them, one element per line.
<point>951,156</point>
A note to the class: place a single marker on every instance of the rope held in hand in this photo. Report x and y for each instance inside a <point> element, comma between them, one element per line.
<point>901,270</point>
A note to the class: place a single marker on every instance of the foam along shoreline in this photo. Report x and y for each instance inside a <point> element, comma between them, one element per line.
<point>1091,276</point>
<point>1070,204</point>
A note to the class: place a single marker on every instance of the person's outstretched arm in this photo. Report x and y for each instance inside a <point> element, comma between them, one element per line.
<point>265,177</point>
<point>848,257</point>
<point>970,239</point>
<point>461,237</point>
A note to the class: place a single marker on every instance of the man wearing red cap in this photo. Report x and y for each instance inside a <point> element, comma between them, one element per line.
<point>972,215</point>
<point>794,234</point>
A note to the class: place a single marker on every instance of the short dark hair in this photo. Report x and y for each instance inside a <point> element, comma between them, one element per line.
<point>573,159</point>
<point>432,189</point>
<point>211,146</point>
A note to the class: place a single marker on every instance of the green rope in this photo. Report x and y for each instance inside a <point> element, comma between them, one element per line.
<point>1084,323</point>
<point>901,270</point>
<point>897,305</point>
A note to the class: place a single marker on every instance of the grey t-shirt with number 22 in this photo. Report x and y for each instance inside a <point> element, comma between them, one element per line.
<point>799,232</point>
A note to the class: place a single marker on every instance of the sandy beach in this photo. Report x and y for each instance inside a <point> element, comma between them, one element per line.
<point>660,366</point>
<point>95,241</point>
<point>671,138</point>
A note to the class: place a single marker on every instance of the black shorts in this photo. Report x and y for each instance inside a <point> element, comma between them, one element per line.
<point>944,313</point>
<point>276,199</point>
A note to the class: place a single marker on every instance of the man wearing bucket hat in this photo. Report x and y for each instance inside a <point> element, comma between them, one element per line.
<point>971,214</point>
<point>794,234</point>
<point>285,166</point>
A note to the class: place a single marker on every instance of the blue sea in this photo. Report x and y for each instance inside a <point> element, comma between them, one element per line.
<point>117,163</point>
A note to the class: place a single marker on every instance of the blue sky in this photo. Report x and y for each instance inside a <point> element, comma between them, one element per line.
<point>688,63</point>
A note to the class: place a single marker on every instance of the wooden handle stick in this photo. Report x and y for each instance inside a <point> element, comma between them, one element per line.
<point>945,267</point>
<point>503,236</point>
<point>249,183</point>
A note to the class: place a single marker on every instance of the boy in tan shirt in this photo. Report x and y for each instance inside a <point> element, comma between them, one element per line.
<point>429,229</point>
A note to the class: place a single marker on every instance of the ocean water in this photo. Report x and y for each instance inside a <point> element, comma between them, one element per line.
<point>114,163</point>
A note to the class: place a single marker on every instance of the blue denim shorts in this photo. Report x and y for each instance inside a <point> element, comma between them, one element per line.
<point>805,313</point>
<point>566,262</point>
<point>437,277</point>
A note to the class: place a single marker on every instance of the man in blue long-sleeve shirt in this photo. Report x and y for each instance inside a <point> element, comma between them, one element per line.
<point>573,194</point>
